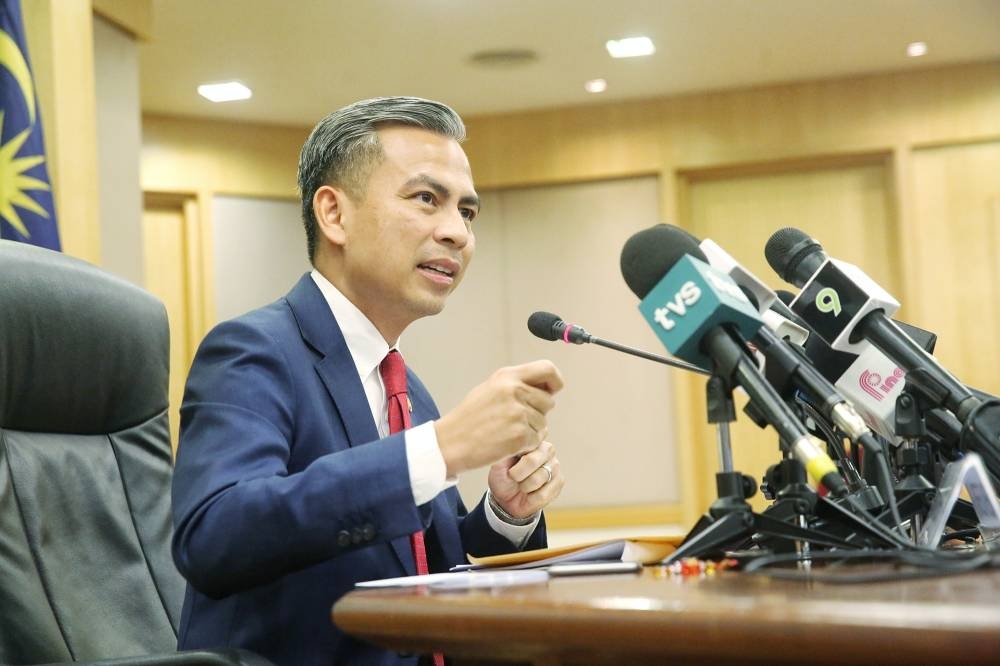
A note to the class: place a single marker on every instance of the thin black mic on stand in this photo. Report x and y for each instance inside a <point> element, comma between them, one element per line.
<point>548,326</point>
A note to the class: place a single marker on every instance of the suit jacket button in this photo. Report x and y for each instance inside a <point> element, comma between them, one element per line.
<point>368,531</point>
<point>357,536</point>
<point>343,538</point>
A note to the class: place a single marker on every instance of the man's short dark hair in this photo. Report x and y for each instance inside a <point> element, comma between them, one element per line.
<point>343,149</point>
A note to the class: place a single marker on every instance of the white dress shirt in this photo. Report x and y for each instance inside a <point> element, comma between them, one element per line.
<point>428,472</point>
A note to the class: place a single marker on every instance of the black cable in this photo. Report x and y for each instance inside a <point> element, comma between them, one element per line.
<point>885,482</point>
<point>926,564</point>
<point>829,436</point>
<point>879,527</point>
<point>856,456</point>
<point>875,450</point>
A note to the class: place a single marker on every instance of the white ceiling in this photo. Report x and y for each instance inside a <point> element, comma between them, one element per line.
<point>304,58</point>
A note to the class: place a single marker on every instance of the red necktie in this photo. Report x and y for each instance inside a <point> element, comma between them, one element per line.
<point>393,372</point>
<point>394,377</point>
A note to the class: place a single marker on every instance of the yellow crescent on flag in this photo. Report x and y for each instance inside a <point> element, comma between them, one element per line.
<point>12,58</point>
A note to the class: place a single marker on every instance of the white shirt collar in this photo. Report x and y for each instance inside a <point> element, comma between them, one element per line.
<point>366,344</point>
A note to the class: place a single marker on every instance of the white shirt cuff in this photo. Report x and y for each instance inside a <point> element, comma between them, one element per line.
<point>516,534</point>
<point>426,464</point>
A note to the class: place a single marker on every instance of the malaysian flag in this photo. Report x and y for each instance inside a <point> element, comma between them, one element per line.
<point>27,210</point>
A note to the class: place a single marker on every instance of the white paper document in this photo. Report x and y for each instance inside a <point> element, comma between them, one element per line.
<point>462,579</point>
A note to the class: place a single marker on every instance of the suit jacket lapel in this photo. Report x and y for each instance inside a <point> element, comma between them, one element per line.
<point>320,330</point>
<point>336,369</point>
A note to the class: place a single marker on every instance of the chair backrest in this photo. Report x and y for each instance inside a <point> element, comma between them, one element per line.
<point>85,464</point>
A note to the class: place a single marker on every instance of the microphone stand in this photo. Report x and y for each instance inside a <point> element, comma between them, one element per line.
<point>730,521</point>
<point>916,454</point>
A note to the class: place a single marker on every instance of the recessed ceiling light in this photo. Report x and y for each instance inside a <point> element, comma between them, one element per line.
<point>227,91</point>
<point>630,47</point>
<point>595,86</point>
<point>916,49</point>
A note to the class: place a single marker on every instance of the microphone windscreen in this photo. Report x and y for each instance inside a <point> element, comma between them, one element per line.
<point>650,253</point>
<point>542,325</point>
<point>793,255</point>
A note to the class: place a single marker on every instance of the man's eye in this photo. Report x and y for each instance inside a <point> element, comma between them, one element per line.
<point>426,197</point>
<point>469,214</point>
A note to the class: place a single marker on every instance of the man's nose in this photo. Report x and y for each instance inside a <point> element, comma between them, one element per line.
<point>453,230</point>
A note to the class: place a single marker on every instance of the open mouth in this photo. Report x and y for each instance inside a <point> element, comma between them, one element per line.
<point>440,270</point>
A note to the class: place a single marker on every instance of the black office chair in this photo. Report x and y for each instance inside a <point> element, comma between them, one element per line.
<point>85,466</point>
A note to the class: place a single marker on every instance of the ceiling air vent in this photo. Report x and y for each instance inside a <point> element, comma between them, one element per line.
<point>504,58</point>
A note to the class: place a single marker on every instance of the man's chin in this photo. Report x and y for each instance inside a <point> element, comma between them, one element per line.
<point>429,307</point>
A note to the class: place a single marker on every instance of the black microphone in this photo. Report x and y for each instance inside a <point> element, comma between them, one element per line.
<point>846,307</point>
<point>697,308</point>
<point>548,326</point>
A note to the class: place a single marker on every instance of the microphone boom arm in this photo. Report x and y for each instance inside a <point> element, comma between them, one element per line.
<point>648,356</point>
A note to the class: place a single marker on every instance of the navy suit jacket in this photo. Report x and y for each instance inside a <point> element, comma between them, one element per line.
<point>284,496</point>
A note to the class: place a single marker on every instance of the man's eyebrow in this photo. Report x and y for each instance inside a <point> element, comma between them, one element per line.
<point>440,189</point>
<point>470,200</point>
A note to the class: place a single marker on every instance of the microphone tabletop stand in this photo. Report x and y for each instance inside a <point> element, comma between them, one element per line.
<point>914,491</point>
<point>798,504</point>
<point>795,501</point>
<point>730,520</point>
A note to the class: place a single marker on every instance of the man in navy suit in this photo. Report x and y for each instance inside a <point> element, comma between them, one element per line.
<point>290,486</point>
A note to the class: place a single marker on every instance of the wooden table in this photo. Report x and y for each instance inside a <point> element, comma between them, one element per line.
<point>653,618</point>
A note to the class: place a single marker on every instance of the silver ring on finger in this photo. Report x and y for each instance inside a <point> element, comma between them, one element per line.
<point>548,470</point>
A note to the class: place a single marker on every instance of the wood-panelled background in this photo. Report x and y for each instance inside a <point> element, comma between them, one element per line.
<point>898,173</point>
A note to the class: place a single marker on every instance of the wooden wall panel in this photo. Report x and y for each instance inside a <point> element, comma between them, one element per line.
<point>165,257</point>
<point>955,241</point>
<point>187,155</point>
<point>871,113</point>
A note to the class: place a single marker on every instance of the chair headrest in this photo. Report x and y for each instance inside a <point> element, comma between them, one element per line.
<point>81,351</point>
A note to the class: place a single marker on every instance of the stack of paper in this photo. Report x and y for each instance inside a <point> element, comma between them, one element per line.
<point>645,550</point>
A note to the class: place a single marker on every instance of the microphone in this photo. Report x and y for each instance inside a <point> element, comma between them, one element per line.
<point>696,302</point>
<point>701,315</point>
<point>548,326</point>
<point>845,307</point>
<point>835,296</point>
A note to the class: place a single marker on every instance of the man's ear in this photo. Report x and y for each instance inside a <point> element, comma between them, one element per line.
<point>330,206</point>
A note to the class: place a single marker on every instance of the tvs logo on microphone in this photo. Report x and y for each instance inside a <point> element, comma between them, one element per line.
<point>872,384</point>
